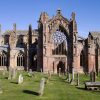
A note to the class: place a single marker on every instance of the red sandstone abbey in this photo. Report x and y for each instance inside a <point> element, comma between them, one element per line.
<point>55,44</point>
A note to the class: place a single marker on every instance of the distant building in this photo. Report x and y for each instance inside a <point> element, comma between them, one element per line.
<point>55,44</point>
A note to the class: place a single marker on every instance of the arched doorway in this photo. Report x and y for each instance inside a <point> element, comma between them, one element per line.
<point>61,65</point>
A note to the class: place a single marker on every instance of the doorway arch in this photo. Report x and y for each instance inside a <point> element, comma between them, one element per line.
<point>61,65</point>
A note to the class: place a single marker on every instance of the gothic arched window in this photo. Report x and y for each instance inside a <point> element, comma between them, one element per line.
<point>3,59</point>
<point>20,59</point>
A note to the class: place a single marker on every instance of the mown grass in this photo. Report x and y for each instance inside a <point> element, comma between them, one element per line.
<point>56,89</point>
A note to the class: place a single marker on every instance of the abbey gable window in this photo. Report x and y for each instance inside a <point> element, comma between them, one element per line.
<point>60,43</point>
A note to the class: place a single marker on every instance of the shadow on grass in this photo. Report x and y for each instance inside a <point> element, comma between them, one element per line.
<point>92,91</point>
<point>81,88</point>
<point>30,92</point>
<point>5,77</point>
<point>14,82</point>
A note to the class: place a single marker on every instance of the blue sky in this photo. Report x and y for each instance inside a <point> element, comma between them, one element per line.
<point>25,12</point>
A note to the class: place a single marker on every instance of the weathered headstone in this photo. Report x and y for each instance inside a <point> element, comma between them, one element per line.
<point>68,77</point>
<point>0,88</point>
<point>49,77</point>
<point>59,72</point>
<point>41,70</point>
<point>4,70</point>
<point>20,79</point>
<point>30,73</point>
<point>92,76</point>
<point>1,91</point>
<point>72,80</point>
<point>49,73</point>
<point>42,83</point>
<point>73,73</point>
<point>77,79</point>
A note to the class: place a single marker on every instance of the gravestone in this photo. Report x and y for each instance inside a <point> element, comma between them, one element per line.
<point>0,88</point>
<point>30,73</point>
<point>72,80</point>
<point>42,83</point>
<point>92,76</point>
<point>20,79</point>
<point>49,74</point>
<point>4,70</point>
<point>77,79</point>
<point>1,91</point>
<point>68,77</point>
<point>59,72</point>
<point>41,70</point>
<point>73,74</point>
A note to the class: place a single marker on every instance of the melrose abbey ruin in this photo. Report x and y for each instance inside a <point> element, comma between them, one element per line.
<point>54,44</point>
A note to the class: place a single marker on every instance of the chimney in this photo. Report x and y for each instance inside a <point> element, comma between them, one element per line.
<point>14,27</point>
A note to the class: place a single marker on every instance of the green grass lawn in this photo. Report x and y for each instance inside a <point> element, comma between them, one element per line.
<point>56,89</point>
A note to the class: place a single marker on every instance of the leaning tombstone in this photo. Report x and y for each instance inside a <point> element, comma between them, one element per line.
<point>20,79</point>
<point>42,83</point>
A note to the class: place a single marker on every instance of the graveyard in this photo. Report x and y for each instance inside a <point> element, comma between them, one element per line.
<point>55,87</point>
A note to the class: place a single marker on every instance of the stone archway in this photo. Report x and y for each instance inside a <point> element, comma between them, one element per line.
<point>61,65</point>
